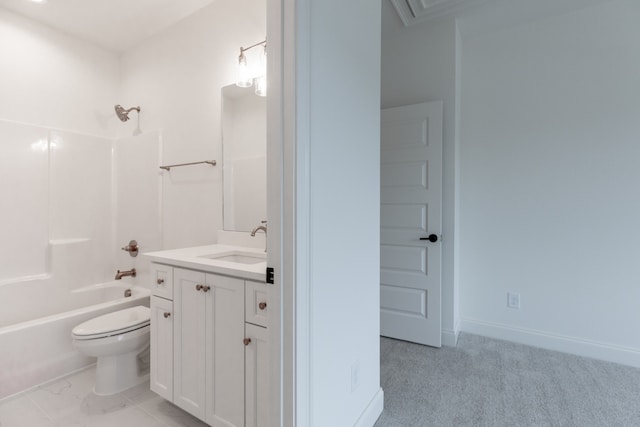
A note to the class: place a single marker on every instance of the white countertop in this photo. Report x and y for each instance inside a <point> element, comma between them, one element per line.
<point>194,258</point>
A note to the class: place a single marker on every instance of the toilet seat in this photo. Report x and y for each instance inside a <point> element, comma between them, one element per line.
<point>115,323</point>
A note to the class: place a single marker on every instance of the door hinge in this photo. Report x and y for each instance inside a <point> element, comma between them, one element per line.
<point>270,275</point>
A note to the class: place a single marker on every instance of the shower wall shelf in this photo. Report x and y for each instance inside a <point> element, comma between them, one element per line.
<point>168,167</point>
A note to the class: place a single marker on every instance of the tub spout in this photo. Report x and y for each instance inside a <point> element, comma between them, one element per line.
<point>121,274</point>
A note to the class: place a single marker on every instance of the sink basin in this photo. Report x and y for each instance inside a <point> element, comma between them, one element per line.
<point>239,257</point>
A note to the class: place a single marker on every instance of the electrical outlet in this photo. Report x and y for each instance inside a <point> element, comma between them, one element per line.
<point>513,300</point>
<point>355,375</point>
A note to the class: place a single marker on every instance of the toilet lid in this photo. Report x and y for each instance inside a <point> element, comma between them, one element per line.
<point>114,323</point>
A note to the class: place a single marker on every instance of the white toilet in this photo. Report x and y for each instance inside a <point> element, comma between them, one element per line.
<point>120,341</point>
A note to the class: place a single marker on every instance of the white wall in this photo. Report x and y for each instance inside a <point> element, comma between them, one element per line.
<point>176,78</point>
<point>55,80</point>
<point>418,66</point>
<point>339,148</point>
<point>549,164</point>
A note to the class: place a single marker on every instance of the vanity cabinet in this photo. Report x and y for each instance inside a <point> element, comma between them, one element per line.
<point>209,345</point>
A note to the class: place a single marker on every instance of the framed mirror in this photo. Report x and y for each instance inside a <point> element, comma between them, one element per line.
<point>244,158</point>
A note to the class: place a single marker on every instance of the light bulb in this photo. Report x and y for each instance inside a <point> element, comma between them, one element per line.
<point>263,60</point>
<point>244,79</point>
<point>261,85</point>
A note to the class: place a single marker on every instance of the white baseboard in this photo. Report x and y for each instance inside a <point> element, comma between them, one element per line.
<point>578,346</point>
<point>372,411</point>
<point>450,337</point>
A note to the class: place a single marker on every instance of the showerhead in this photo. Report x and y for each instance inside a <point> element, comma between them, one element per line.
<point>123,114</point>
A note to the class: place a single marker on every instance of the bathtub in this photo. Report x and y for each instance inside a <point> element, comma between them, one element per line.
<point>40,350</point>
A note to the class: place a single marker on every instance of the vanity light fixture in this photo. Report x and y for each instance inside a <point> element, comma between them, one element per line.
<point>245,78</point>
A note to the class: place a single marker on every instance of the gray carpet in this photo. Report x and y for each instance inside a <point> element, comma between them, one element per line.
<point>486,382</point>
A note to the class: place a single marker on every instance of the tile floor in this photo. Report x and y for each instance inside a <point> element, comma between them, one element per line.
<point>70,402</point>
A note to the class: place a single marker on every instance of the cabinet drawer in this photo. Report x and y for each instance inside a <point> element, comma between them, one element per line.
<point>257,304</point>
<point>162,281</point>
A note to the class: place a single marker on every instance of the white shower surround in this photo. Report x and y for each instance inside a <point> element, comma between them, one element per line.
<point>88,194</point>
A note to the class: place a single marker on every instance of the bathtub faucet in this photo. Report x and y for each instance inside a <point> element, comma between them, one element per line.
<point>121,274</point>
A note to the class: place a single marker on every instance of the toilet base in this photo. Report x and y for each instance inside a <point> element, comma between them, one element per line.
<point>120,372</point>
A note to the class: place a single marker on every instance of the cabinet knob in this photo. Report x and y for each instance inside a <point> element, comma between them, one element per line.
<point>166,314</point>
<point>246,341</point>
<point>198,287</point>
<point>262,305</point>
<point>160,281</point>
<point>205,288</point>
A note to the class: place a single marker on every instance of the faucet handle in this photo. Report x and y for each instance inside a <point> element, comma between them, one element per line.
<point>263,221</point>
<point>132,248</point>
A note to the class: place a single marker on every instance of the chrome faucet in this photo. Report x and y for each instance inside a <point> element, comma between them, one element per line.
<point>263,228</point>
<point>121,274</point>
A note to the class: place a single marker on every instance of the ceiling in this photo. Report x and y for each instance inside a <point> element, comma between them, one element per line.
<point>113,24</point>
<point>473,17</point>
<point>118,25</point>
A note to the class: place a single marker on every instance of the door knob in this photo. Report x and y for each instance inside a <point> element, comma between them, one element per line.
<point>166,314</point>
<point>205,288</point>
<point>262,305</point>
<point>432,238</point>
<point>199,287</point>
<point>246,341</point>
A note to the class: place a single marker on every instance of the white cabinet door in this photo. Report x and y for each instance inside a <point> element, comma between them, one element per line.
<point>189,333</point>
<point>257,376</point>
<point>225,351</point>
<point>161,380</point>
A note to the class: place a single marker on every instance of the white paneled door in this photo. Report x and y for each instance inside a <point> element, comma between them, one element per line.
<point>411,223</point>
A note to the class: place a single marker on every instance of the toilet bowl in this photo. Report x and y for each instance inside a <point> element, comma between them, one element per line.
<point>120,341</point>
